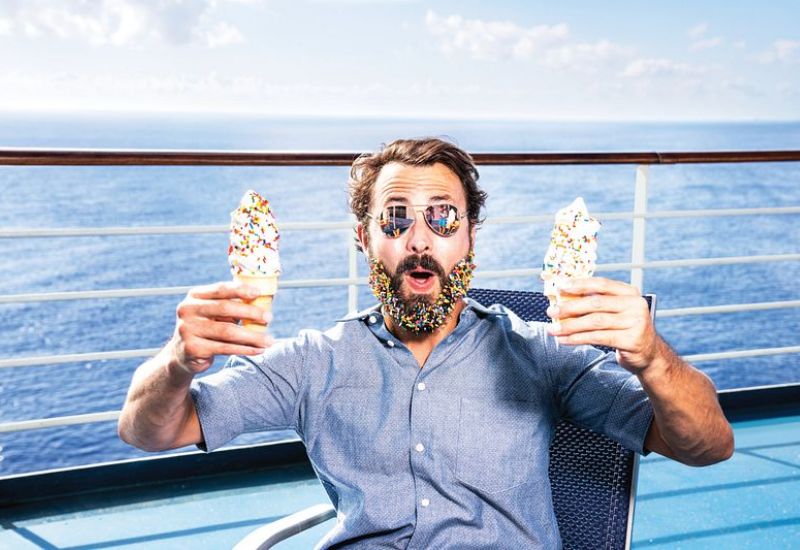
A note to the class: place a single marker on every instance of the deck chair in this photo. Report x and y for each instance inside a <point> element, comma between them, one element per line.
<point>593,478</point>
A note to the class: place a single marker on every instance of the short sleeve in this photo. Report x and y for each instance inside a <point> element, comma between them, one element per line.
<point>251,393</point>
<point>593,391</point>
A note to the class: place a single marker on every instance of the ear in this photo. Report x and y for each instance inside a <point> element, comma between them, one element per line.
<point>363,238</point>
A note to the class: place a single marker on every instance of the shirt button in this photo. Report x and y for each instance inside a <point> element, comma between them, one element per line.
<point>372,319</point>
<point>424,502</point>
<point>421,386</point>
<point>390,343</point>
<point>419,447</point>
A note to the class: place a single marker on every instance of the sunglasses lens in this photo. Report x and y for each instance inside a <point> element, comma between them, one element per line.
<point>394,221</point>
<point>443,219</point>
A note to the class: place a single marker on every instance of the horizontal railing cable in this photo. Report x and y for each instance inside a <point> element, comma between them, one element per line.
<point>654,264</point>
<point>41,423</point>
<point>160,291</point>
<point>109,157</point>
<point>23,232</point>
<point>45,360</point>
<point>604,216</point>
<point>727,308</point>
<point>740,354</point>
<point>347,281</point>
<point>722,212</point>
<point>30,232</point>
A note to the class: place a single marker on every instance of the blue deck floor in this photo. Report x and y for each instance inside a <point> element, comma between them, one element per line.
<point>751,501</point>
<point>219,515</point>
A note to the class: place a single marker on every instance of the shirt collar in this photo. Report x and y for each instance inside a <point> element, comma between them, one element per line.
<point>480,310</point>
<point>484,311</point>
<point>361,315</point>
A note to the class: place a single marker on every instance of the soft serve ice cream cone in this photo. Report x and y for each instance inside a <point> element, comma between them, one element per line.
<point>572,252</point>
<point>253,251</point>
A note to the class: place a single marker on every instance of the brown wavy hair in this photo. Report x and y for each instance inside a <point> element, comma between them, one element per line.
<point>415,152</point>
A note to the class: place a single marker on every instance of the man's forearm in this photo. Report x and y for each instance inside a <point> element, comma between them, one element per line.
<point>687,413</point>
<point>158,406</point>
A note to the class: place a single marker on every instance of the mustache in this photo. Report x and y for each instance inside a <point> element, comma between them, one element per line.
<point>425,261</point>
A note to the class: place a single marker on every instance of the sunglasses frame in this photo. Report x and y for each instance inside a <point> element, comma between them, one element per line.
<point>420,208</point>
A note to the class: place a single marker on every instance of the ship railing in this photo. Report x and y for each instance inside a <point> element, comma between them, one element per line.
<point>637,266</point>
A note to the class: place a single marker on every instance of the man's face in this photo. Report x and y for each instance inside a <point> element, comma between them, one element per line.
<point>420,186</point>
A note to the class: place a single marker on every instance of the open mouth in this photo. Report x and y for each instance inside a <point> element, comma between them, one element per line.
<point>420,279</point>
<point>421,275</point>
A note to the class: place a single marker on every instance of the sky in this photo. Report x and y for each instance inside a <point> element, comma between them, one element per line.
<point>567,60</point>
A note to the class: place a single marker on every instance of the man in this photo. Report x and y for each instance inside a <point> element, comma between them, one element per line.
<point>428,418</point>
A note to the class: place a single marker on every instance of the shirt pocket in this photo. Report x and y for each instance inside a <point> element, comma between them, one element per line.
<point>495,443</point>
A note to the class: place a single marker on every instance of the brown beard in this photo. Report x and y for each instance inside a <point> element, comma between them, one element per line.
<point>420,313</point>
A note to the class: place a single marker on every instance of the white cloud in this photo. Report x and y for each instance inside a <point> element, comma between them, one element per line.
<point>700,42</point>
<point>659,68</point>
<point>222,34</point>
<point>698,30</point>
<point>112,23</point>
<point>118,22</point>
<point>585,57</point>
<point>213,91</point>
<point>548,45</point>
<point>180,86</point>
<point>782,51</point>
<point>489,40</point>
<point>706,43</point>
<point>209,91</point>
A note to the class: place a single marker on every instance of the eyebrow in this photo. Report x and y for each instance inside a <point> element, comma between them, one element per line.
<point>395,198</point>
<point>442,198</point>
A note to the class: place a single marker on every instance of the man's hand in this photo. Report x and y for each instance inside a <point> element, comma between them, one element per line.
<point>159,413</point>
<point>689,424</point>
<point>608,313</point>
<point>207,326</point>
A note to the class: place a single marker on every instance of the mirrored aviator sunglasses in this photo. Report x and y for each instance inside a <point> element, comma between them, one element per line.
<point>443,219</point>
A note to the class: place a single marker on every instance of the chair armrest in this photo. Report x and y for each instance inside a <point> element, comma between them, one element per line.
<point>268,535</point>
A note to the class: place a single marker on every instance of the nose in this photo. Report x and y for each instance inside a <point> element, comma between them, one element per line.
<point>419,238</point>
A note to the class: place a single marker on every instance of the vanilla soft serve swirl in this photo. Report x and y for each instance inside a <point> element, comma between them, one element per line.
<point>573,247</point>
<point>254,237</point>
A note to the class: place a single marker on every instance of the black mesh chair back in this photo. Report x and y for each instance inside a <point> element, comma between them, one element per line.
<point>592,477</point>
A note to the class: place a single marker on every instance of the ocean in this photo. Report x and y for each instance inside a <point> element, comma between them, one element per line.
<point>52,197</point>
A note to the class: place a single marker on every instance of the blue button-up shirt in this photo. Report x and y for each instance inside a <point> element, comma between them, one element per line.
<point>452,455</point>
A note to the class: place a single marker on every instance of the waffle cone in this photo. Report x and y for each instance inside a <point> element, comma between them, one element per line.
<point>268,285</point>
<point>558,299</point>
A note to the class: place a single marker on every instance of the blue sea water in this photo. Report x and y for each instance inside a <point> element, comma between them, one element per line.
<point>120,196</point>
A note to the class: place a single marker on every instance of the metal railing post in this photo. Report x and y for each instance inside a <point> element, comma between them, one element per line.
<point>639,226</point>
<point>352,272</point>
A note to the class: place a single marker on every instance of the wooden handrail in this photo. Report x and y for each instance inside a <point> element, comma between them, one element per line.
<point>109,157</point>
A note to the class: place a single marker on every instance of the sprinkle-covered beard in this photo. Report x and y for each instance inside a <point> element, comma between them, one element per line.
<point>418,314</point>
